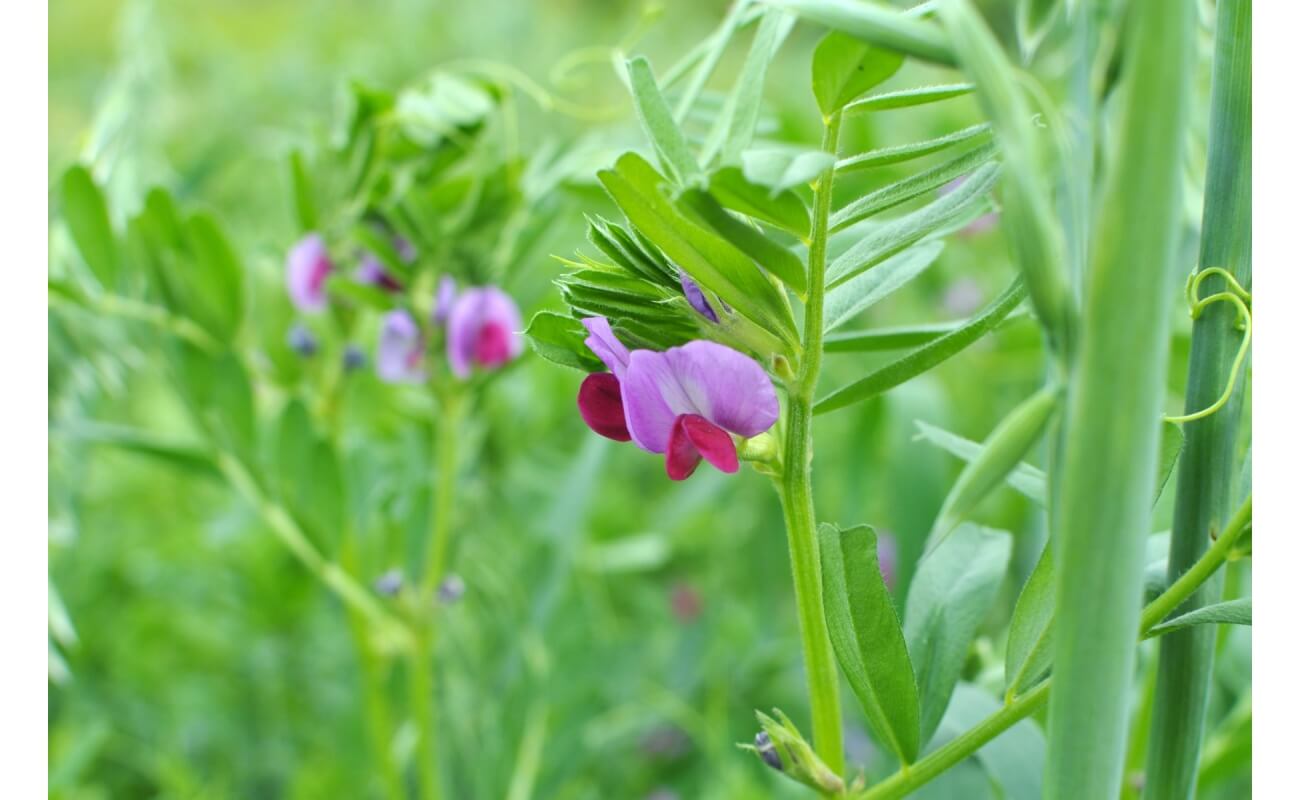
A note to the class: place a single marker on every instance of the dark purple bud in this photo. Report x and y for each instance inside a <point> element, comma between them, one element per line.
<point>354,358</point>
<point>767,751</point>
<point>372,273</point>
<point>389,584</point>
<point>695,296</point>
<point>302,341</point>
<point>451,590</point>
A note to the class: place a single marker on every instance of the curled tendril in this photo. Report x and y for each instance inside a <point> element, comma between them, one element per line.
<point>1240,298</point>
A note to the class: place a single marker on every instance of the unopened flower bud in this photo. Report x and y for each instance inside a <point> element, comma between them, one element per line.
<point>767,751</point>
<point>354,358</point>
<point>389,584</point>
<point>302,341</point>
<point>451,590</point>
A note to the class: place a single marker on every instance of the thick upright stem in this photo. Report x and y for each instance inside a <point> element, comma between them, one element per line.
<point>1208,463</point>
<point>796,487</point>
<point>1117,374</point>
<point>422,682</point>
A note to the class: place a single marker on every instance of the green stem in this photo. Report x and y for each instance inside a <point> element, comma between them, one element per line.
<point>423,664</point>
<point>796,487</point>
<point>1208,463</point>
<point>913,777</point>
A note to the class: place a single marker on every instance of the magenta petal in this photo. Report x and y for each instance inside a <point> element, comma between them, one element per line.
<point>682,456</point>
<point>401,349</point>
<point>606,345</point>
<point>483,329</point>
<point>714,443</point>
<point>600,401</point>
<point>306,269</point>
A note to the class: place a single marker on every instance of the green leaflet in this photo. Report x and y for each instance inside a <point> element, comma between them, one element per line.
<point>773,257</point>
<point>951,593</point>
<point>363,294</point>
<point>910,187</point>
<point>844,68</point>
<point>86,214</point>
<point>851,298</point>
<point>1029,641</point>
<point>307,477</point>
<point>941,215</point>
<point>902,337</point>
<point>1229,612</point>
<point>784,209</point>
<point>926,357</point>
<point>877,25</point>
<point>191,458</point>
<point>558,338</point>
<point>868,638</point>
<point>657,120</point>
<point>1034,19</point>
<point>734,129</point>
<point>913,150</point>
<point>999,456</point>
<point>711,260</point>
<point>219,396</point>
<point>304,199</point>
<point>428,112</point>
<point>1024,478</point>
<point>907,98</point>
<point>782,168</point>
<point>1013,760</point>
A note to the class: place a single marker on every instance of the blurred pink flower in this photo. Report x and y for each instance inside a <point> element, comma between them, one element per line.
<point>483,330</point>
<point>306,269</point>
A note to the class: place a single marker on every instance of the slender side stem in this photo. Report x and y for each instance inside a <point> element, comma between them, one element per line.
<point>1111,433</point>
<point>1208,464</point>
<point>423,664</point>
<point>796,487</point>
<point>909,779</point>
<point>292,536</point>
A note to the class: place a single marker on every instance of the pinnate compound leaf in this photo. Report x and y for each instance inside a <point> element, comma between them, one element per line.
<point>951,593</point>
<point>844,68</point>
<point>1229,612</point>
<point>735,127</point>
<point>851,298</point>
<point>773,257</point>
<point>781,168</point>
<point>867,637</point>
<point>911,187</point>
<point>913,150</point>
<point>927,356</point>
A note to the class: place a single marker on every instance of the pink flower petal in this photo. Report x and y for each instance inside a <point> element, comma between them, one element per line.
<point>306,269</point>
<point>606,345</point>
<point>483,329</point>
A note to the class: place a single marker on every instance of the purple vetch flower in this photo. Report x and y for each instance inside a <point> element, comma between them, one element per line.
<point>372,273</point>
<point>980,223</point>
<point>444,300</point>
<point>483,330</point>
<point>404,249</point>
<point>401,349</point>
<point>695,296</point>
<point>684,402</point>
<point>306,269</point>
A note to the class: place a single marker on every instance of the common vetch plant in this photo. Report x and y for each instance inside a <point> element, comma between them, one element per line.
<point>737,261</point>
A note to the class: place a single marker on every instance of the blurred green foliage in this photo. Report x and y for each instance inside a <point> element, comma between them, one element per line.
<point>629,624</point>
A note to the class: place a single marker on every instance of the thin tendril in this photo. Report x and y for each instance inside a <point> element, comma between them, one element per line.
<point>1239,297</point>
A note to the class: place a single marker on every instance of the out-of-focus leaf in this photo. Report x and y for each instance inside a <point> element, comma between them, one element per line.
<point>1024,478</point>
<point>1029,642</point>
<point>216,277</point>
<point>878,25</point>
<point>381,246</point>
<point>438,107</point>
<point>927,356</point>
<point>735,127</point>
<point>997,459</point>
<point>86,213</point>
<point>851,298</point>
<point>218,392</point>
<point>913,150</point>
<point>907,98</point>
<point>867,637</point>
<point>176,455</point>
<point>845,68</point>
<point>1171,446</point>
<point>304,198</point>
<point>1034,20</point>
<point>781,168</point>
<point>1229,612</point>
<point>1014,759</point>
<point>911,187</point>
<point>657,120</point>
<point>784,209</point>
<point>307,477</point>
<point>935,219</point>
<point>951,593</point>
<point>360,293</point>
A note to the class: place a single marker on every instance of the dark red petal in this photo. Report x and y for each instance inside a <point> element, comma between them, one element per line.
<point>713,442</point>
<point>492,348</point>
<point>682,457</point>
<point>600,401</point>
